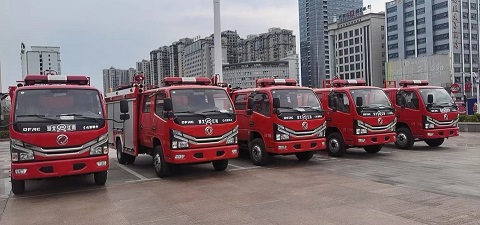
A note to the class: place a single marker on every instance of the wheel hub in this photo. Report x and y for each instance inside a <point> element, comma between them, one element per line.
<point>157,162</point>
<point>256,153</point>
<point>333,145</point>
<point>402,139</point>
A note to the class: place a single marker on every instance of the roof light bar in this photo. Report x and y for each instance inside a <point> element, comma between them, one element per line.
<point>406,83</point>
<point>56,79</point>
<point>170,81</point>
<point>266,82</point>
<point>350,82</point>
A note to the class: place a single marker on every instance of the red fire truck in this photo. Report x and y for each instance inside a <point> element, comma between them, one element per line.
<point>57,129</point>
<point>279,118</point>
<point>357,116</point>
<point>187,121</point>
<point>425,113</point>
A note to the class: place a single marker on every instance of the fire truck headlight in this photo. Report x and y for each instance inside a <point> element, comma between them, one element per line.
<point>179,144</point>
<point>20,153</point>
<point>281,137</point>
<point>429,126</point>
<point>232,140</point>
<point>99,150</point>
<point>360,131</point>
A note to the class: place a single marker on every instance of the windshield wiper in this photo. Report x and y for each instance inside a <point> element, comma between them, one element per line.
<point>39,116</point>
<point>213,110</point>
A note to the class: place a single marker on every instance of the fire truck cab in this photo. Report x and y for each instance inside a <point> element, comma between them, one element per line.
<point>424,113</point>
<point>357,116</point>
<point>58,128</point>
<point>279,118</point>
<point>187,121</point>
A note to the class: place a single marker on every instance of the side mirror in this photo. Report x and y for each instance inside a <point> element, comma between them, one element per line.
<point>167,104</point>
<point>430,99</point>
<point>276,103</point>
<point>123,106</point>
<point>250,103</point>
<point>359,101</point>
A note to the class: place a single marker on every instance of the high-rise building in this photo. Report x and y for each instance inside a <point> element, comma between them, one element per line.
<point>314,16</point>
<point>40,60</point>
<point>114,78</point>
<point>177,53</point>
<point>160,59</point>
<point>231,39</point>
<point>271,46</point>
<point>357,48</point>
<point>143,67</point>
<point>426,28</point>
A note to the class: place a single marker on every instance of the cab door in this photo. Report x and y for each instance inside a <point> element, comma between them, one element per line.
<point>410,112</point>
<point>341,115</point>
<point>146,121</point>
<point>243,120</point>
<point>260,120</point>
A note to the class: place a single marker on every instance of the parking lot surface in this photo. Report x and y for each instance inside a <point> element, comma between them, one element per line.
<point>419,186</point>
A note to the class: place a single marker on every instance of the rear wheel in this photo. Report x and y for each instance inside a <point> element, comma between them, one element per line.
<point>100,177</point>
<point>373,148</point>
<point>435,142</point>
<point>122,157</point>
<point>304,156</point>
<point>18,186</point>
<point>258,154</point>
<point>220,165</point>
<point>404,138</point>
<point>130,159</point>
<point>162,168</point>
<point>335,145</point>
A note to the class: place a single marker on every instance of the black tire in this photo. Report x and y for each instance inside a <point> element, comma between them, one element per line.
<point>130,159</point>
<point>100,178</point>
<point>373,148</point>
<point>304,156</point>
<point>258,154</point>
<point>220,165</point>
<point>336,145</point>
<point>435,142</point>
<point>404,138</point>
<point>162,168</point>
<point>18,186</point>
<point>122,157</point>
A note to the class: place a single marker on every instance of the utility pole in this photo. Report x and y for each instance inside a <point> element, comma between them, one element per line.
<point>217,38</point>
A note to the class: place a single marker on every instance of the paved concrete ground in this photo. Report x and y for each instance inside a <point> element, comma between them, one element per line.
<point>420,186</point>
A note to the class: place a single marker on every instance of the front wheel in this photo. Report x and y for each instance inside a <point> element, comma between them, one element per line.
<point>304,156</point>
<point>404,138</point>
<point>122,157</point>
<point>162,168</point>
<point>100,178</point>
<point>435,142</point>
<point>335,145</point>
<point>372,149</point>
<point>18,186</point>
<point>220,165</point>
<point>258,154</point>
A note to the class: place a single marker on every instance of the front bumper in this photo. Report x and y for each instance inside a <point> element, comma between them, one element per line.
<point>59,168</point>
<point>372,139</point>
<point>199,155</point>
<point>440,133</point>
<point>289,147</point>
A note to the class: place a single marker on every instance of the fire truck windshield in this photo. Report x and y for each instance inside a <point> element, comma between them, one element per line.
<point>303,99</point>
<point>440,96</point>
<point>44,105</point>
<point>201,101</point>
<point>371,98</point>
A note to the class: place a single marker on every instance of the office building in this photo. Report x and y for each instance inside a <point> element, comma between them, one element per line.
<point>314,16</point>
<point>270,46</point>
<point>40,60</point>
<point>357,48</point>
<point>114,78</point>
<point>143,67</point>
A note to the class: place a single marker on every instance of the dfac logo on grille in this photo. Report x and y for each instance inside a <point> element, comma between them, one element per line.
<point>380,121</point>
<point>62,139</point>
<point>445,116</point>
<point>305,125</point>
<point>208,130</point>
<point>304,117</point>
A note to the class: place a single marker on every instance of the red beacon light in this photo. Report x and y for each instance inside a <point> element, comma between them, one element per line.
<point>170,81</point>
<point>267,82</point>
<point>56,79</point>
<point>350,82</point>
<point>406,83</point>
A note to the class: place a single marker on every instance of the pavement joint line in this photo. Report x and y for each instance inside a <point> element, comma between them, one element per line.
<point>7,186</point>
<point>141,177</point>
<point>240,167</point>
<point>245,168</point>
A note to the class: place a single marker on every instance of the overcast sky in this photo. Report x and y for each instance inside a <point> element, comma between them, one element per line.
<point>95,35</point>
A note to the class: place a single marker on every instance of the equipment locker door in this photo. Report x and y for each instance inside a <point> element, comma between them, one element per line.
<point>145,125</point>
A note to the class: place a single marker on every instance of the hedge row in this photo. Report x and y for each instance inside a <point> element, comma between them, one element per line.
<point>4,134</point>
<point>470,118</point>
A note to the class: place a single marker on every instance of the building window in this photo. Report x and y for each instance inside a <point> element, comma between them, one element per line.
<point>437,16</point>
<point>422,40</point>
<point>422,50</point>
<point>409,23</point>
<point>393,46</point>
<point>440,26</point>
<point>392,37</point>
<point>392,28</point>
<point>457,69</point>
<point>410,43</point>
<point>440,37</point>
<point>408,4</point>
<point>440,5</point>
<point>456,58</point>
<point>393,56</point>
<point>392,9</point>
<point>421,11</point>
<point>392,19</point>
<point>419,2</point>
<point>473,6</point>
<point>410,52</point>
<point>422,20</point>
<point>409,33</point>
<point>421,31</point>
